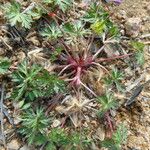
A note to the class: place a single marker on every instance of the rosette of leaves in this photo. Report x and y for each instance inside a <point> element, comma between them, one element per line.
<point>95,13</point>
<point>118,138</point>
<point>33,126</point>
<point>99,21</point>
<point>33,81</point>
<point>15,16</point>
<point>24,18</point>
<point>75,31</point>
<point>51,32</point>
<point>62,4</point>
<point>114,79</point>
<point>107,102</point>
<point>139,55</point>
<point>57,138</point>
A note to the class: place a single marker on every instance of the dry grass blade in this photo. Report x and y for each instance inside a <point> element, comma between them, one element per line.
<point>2,117</point>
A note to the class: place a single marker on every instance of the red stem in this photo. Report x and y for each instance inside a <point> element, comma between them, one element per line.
<point>109,121</point>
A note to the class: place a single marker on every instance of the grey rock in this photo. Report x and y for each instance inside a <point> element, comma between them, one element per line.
<point>133,26</point>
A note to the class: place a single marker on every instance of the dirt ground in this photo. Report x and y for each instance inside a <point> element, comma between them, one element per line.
<point>137,117</point>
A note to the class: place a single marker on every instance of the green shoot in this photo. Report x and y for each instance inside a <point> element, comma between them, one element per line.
<point>57,138</point>
<point>62,4</point>
<point>107,102</point>
<point>118,138</point>
<point>34,124</point>
<point>33,82</point>
<point>4,65</point>
<point>139,55</point>
<point>51,32</point>
<point>115,78</point>
<point>15,16</point>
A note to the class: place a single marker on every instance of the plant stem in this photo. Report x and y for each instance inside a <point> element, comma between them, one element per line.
<point>64,69</point>
<point>109,121</point>
<point>96,54</point>
<point>112,58</point>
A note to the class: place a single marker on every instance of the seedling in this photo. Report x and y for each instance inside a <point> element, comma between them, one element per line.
<point>33,126</point>
<point>107,102</point>
<point>62,4</point>
<point>118,138</point>
<point>57,138</point>
<point>139,55</point>
<point>77,57</point>
<point>51,32</point>
<point>33,82</point>
<point>115,78</point>
<point>15,16</point>
<point>4,65</point>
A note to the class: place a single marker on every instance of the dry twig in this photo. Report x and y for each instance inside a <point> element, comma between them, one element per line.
<point>2,117</point>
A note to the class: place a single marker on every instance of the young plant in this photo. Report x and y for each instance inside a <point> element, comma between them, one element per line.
<point>15,16</point>
<point>107,102</point>
<point>33,126</point>
<point>62,4</point>
<point>118,138</point>
<point>77,56</point>
<point>75,30</point>
<point>51,32</point>
<point>57,138</point>
<point>79,141</point>
<point>33,82</point>
<point>60,139</point>
<point>4,65</point>
<point>115,78</point>
<point>139,55</point>
<point>95,13</point>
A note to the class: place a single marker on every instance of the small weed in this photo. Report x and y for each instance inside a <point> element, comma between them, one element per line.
<point>33,82</point>
<point>51,32</point>
<point>107,102</point>
<point>4,65</point>
<point>57,138</point>
<point>139,55</point>
<point>115,78</point>
<point>33,125</point>
<point>118,138</point>
<point>15,16</point>
<point>62,4</point>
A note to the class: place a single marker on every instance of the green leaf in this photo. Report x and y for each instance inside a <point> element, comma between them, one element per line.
<point>120,136</point>
<point>95,13</point>
<point>4,65</point>
<point>34,123</point>
<point>48,1</point>
<point>139,46</point>
<point>26,106</point>
<point>15,16</point>
<point>50,146</point>
<point>115,78</point>
<point>63,4</point>
<point>40,139</point>
<point>140,58</point>
<point>107,102</point>
<point>51,32</point>
<point>98,27</point>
